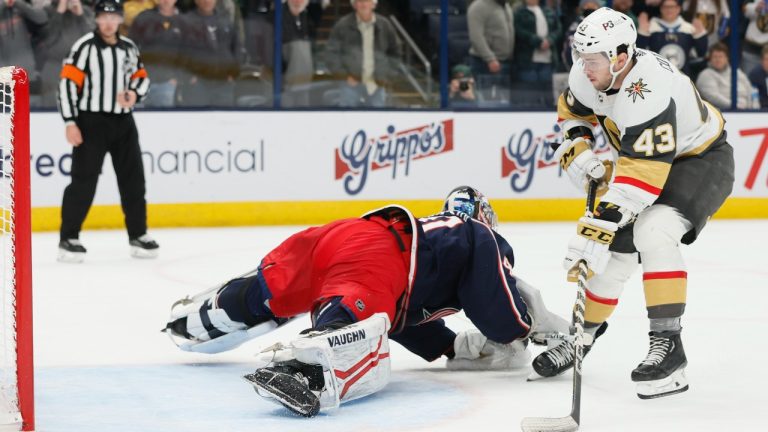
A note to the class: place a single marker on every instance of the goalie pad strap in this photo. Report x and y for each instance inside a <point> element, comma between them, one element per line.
<point>595,233</point>
<point>205,320</point>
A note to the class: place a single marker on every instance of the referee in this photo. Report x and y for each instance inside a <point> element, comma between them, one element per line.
<point>101,81</point>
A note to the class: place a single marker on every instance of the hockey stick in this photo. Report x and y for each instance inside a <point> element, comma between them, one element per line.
<point>571,423</point>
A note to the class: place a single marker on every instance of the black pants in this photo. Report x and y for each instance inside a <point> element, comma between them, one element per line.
<point>102,133</point>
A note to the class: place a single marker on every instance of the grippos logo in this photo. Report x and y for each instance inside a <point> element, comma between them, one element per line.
<point>358,154</point>
<point>526,153</point>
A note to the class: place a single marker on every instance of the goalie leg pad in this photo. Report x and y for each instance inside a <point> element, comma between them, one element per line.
<point>354,361</point>
<point>218,319</point>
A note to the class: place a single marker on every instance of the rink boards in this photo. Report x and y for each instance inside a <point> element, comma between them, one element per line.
<point>243,168</point>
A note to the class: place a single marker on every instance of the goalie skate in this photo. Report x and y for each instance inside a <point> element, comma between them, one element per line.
<point>292,384</point>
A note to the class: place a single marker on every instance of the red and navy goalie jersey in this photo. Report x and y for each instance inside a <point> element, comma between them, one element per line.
<point>460,264</point>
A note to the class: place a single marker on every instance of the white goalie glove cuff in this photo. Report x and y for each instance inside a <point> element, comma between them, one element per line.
<point>469,344</point>
<point>579,161</point>
<point>475,352</point>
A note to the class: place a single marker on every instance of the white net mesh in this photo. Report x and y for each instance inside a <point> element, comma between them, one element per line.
<point>9,402</point>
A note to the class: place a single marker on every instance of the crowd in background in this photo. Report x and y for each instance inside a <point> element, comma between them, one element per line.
<point>502,53</point>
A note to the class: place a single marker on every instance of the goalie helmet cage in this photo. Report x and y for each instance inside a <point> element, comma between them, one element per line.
<point>16,366</point>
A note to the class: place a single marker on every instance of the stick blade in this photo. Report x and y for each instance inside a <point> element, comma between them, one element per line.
<point>546,424</point>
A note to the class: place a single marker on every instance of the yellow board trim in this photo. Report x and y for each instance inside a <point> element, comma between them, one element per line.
<point>318,212</point>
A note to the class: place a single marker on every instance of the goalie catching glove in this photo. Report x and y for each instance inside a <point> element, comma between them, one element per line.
<point>473,351</point>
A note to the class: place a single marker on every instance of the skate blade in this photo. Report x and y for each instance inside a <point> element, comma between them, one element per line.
<point>66,256</point>
<point>263,381</point>
<point>535,377</point>
<point>544,424</point>
<point>673,384</point>
<point>142,253</point>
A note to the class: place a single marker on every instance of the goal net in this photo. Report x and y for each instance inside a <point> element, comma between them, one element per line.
<point>16,370</point>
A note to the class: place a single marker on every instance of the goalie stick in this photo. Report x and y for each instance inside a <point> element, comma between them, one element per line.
<point>570,423</point>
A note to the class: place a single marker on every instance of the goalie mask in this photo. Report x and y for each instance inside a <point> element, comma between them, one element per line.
<point>471,202</point>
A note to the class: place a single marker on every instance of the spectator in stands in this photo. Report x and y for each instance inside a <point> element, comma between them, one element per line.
<point>650,7</point>
<point>537,33</point>
<point>363,51</point>
<point>492,41</point>
<point>714,82</point>
<point>132,9</point>
<point>462,88</point>
<point>713,14</point>
<point>212,55</point>
<point>759,78</point>
<point>586,7</point>
<point>298,67</point>
<point>158,33</point>
<point>757,33</point>
<point>18,21</point>
<point>315,10</point>
<point>68,20</point>
<point>259,33</point>
<point>671,36</point>
<point>625,7</point>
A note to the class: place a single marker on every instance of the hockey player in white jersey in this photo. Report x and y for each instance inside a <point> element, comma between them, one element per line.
<point>671,170</point>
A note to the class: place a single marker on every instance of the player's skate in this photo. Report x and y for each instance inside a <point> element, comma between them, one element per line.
<point>71,251</point>
<point>144,247</point>
<point>662,373</point>
<point>293,384</point>
<point>559,359</point>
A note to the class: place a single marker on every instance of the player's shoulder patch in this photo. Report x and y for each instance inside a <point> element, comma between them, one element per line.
<point>644,93</point>
<point>637,89</point>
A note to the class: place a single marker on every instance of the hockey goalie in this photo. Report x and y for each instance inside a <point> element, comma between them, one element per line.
<point>386,275</point>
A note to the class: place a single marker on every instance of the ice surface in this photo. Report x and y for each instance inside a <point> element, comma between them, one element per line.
<point>103,365</point>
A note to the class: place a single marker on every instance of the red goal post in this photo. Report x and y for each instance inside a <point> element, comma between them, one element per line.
<point>16,365</point>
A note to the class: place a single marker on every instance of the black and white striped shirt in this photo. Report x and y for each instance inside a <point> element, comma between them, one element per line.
<point>95,72</point>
